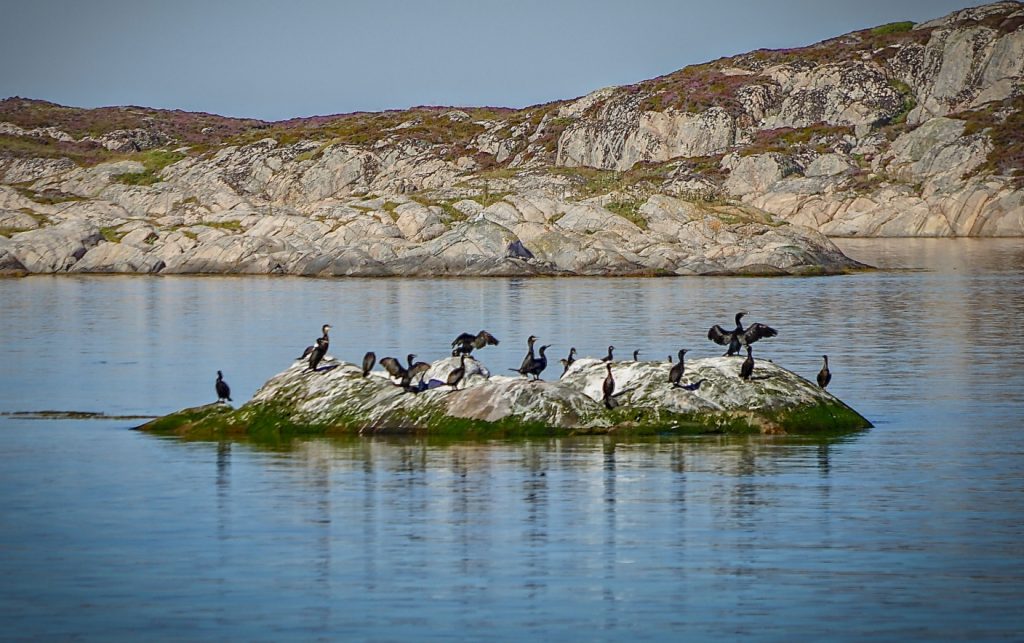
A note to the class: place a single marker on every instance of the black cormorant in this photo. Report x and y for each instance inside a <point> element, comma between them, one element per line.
<point>739,337</point>
<point>539,363</point>
<point>393,367</point>
<point>608,357</point>
<point>415,368</point>
<point>465,343</point>
<point>824,375</point>
<point>317,353</point>
<point>524,368</point>
<point>676,373</point>
<point>368,361</point>
<point>747,368</point>
<point>635,356</point>
<point>457,373</point>
<point>567,362</point>
<point>223,390</point>
<point>324,330</point>
<point>608,388</point>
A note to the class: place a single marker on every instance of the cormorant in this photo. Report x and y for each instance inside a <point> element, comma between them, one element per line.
<point>413,370</point>
<point>608,357</point>
<point>635,354</point>
<point>567,362</point>
<point>457,373</point>
<point>824,375</point>
<point>739,337</point>
<point>393,367</point>
<point>608,388</point>
<point>676,373</point>
<point>223,390</point>
<point>317,353</point>
<point>309,349</point>
<point>409,359</point>
<point>747,368</point>
<point>538,365</point>
<point>465,343</point>
<point>528,360</point>
<point>368,361</point>
<point>669,359</point>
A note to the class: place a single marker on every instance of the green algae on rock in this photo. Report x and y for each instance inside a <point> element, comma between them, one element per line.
<point>711,398</point>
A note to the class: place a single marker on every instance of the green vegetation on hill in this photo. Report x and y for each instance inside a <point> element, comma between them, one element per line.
<point>153,161</point>
<point>892,27</point>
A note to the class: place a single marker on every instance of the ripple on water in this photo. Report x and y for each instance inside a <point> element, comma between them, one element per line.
<point>910,530</point>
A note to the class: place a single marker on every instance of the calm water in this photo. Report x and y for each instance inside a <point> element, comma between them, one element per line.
<point>912,530</point>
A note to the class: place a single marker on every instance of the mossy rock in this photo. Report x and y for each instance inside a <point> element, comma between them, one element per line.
<point>712,398</point>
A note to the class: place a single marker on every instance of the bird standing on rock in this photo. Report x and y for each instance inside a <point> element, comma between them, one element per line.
<point>458,373</point>
<point>413,370</point>
<point>676,373</point>
<point>524,368</point>
<point>538,365</point>
<point>223,390</point>
<point>324,330</point>
<point>608,357</point>
<point>608,389</point>
<point>393,367</point>
<point>567,362</point>
<point>739,337</point>
<point>824,375</point>
<point>368,361</point>
<point>747,368</point>
<point>318,353</point>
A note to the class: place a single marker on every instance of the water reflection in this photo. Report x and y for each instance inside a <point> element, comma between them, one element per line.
<point>910,530</point>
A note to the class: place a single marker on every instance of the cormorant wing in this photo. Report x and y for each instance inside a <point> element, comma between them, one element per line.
<point>758,331</point>
<point>391,365</point>
<point>483,338</point>
<point>417,368</point>
<point>719,335</point>
<point>464,338</point>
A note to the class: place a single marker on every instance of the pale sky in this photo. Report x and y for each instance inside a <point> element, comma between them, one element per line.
<point>285,59</point>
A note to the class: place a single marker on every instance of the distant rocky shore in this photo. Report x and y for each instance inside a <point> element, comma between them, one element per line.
<point>517,236</point>
<point>741,165</point>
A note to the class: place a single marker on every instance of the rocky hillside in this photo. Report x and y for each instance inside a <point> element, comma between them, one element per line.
<point>740,165</point>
